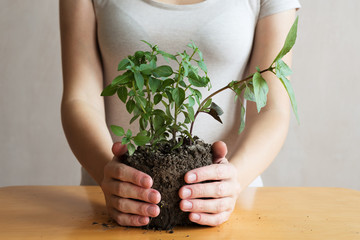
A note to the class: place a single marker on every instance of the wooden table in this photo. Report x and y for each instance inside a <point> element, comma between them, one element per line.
<point>74,212</point>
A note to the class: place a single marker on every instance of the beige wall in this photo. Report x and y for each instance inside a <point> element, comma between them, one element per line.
<point>325,149</point>
<point>33,148</point>
<point>322,151</point>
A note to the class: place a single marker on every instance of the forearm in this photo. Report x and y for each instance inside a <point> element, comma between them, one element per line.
<point>260,142</point>
<point>88,136</point>
<point>265,132</point>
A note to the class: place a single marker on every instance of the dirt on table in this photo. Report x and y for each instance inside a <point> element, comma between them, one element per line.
<point>167,168</point>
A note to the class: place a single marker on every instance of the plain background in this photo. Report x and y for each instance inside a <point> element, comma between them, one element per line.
<point>322,151</point>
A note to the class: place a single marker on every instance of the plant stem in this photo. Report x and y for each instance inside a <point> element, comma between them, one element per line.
<point>152,132</point>
<point>195,50</point>
<point>222,89</point>
<point>176,107</point>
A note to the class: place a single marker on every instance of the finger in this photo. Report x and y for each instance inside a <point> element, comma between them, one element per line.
<point>118,149</point>
<point>134,207</point>
<point>222,161</point>
<point>128,174</point>
<point>219,150</point>
<point>125,219</point>
<point>211,172</point>
<point>203,190</point>
<point>209,219</point>
<point>208,205</point>
<point>128,190</point>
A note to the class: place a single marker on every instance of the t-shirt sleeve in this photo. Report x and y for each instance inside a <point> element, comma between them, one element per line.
<point>270,7</point>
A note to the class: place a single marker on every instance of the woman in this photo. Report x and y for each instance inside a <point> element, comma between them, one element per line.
<point>235,37</point>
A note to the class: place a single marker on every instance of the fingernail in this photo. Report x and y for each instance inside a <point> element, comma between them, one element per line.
<point>195,217</point>
<point>153,197</point>
<point>143,220</point>
<point>191,178</point>
<point>187,205</point>
<point>152,210</point>
<point>186,193</point>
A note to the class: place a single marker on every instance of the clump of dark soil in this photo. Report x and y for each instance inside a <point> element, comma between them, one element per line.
<point>167,168</point>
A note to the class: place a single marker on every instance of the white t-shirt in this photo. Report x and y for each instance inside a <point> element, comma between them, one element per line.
<point>222,29</point>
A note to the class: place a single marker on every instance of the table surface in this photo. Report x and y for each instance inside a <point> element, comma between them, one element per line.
<point>75,212</point>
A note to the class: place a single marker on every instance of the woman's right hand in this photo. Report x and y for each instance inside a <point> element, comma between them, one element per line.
<point>122,186</point>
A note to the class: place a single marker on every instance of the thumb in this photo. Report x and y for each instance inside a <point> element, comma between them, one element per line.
<point>219,150</point>
<point>118,149</point>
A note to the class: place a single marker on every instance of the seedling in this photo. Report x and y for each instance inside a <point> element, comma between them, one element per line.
<point>157,95</point>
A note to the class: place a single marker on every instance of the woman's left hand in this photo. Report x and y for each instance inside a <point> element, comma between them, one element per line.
<point>222,193</point>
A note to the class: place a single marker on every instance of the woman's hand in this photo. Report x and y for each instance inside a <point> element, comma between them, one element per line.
<point>222,193</point>
<point>121,184</point>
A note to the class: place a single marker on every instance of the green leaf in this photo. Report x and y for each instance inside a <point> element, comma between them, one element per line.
<point>191,101</point>
<point>185,68</point>
<point>143,123</point>
<point>166,83</point>
<point>163,71</point>
<point>158,122</point>
<point>132,93</point>
<point>197,94</point>
<point>141,140</point>
<point>109,90</point>
<point>196,80</point>
<point>134,118</point>
<point>159,132</point>
<point>215,111</point>
<point>123,64</point>
<point>146,69</point>
<point>178,144</point>
<point>249,93</point>
<point>192,45</point>
<point>153,62</point>
<point>238,90</point>
<point>125,140</point>
<point>186,115</point>
<point>154,84</point>
<point>122,94</point>
<point>161,113</point>
<point>242,117</point>
<point>128,133</point>
<point>200,55</point>
<point>216,108</point>
<point>139,55</point>
<point>123,79</point>
<point>131,149</point>
<point>290,40</point>
<point>167,55</point>
<point>191,113</point>
<point>261,90</point>
<point>202,65</point>
<point>157,98</point>
<point>139,80</point>
<point>232,83</point>
<point>178,94</point>
<point>169,95</point>
<point>291,94</point>
<point>141,101</point>
<point>282,69</point>
<point>207,104</point>
<point>182,83</point>
<point>130,105</point>
<point>147,43</point>
<point>118,131</point>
